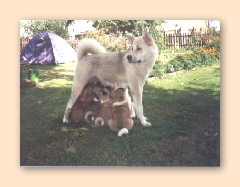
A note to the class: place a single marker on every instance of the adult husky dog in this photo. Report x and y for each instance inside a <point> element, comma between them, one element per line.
<point>124,69</point>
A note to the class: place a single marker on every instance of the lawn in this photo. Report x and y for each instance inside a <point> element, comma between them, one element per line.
<point>184,111</point>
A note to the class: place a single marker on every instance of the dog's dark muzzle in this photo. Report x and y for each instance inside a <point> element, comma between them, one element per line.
<point>129,57</point>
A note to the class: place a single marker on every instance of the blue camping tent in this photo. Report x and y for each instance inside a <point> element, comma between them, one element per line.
<point>47,48</point>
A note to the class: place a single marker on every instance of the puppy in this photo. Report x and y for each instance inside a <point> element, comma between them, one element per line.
<point>77,113</point>
<point>86,105</point>
<point>94,105</point>
<point>121,121</point>
<point>105,111</point>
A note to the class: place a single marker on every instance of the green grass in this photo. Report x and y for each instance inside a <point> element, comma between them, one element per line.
<point>184,111</point>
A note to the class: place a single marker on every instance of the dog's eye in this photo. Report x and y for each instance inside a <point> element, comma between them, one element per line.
<point>139,48</point>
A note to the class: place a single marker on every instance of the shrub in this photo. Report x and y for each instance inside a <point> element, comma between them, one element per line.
<point>111,42</point>
<point>214,40</point>
<point>187,61</point>
<point>158,71</point>
<point>200,57</point>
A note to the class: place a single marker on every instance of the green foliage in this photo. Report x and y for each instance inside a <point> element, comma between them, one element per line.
<point>56,26</point>
<point>214,39</point>
<point>111,42</point>
<point>191,60</point>
<point>114,26</point>
<point>186,61</point>
<point>136,27</point>
<point>158,70</point>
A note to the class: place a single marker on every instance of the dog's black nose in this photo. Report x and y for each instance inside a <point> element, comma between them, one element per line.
<point>129,57</point>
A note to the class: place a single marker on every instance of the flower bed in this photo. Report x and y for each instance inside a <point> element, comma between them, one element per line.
<point>200,57</point>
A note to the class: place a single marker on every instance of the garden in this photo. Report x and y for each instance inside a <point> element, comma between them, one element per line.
<point>184,110</point>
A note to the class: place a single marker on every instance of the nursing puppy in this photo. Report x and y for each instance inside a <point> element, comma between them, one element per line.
<point>95,104</point>
<point>129,69</point>
<point>121,121</point>
<point>105,110</point>
<point>77,113</point>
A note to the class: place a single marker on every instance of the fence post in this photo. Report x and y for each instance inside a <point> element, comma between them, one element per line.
<point>180,41</point>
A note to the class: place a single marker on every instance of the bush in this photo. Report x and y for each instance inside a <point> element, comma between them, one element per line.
<point>200,57</point>
<point>158,71</point>
<point>187,61</point>
<point>111,42</point>
<point>215,43</point>
<point>214,40</point>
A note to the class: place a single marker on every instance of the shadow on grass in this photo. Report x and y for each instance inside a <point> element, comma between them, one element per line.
<point>185,131</point>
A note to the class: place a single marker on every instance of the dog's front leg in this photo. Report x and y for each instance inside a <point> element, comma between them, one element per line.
<point>71,101</point>
<point>137,99</point>
<point>77,87</point>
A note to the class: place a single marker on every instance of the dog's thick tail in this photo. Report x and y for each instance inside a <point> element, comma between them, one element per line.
<point>88,45</point>
<point>123,131</point>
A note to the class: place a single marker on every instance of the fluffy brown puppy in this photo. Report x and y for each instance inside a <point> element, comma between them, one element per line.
<point>121,121</point>
<point>105,110</point>
<point>82,105</point>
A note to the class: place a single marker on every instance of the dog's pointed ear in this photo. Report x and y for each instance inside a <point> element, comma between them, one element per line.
<point>130,39</point>
<point>148,39</point>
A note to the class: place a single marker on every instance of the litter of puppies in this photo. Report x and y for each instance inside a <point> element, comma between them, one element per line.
<point>103,105</point>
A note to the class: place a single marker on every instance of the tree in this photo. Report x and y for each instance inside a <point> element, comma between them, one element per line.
<point>136,27</point>
<point>58,27</point>
<point>113,26</point>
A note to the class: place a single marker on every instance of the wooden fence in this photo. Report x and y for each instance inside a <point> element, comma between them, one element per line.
<point>182,40</point>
